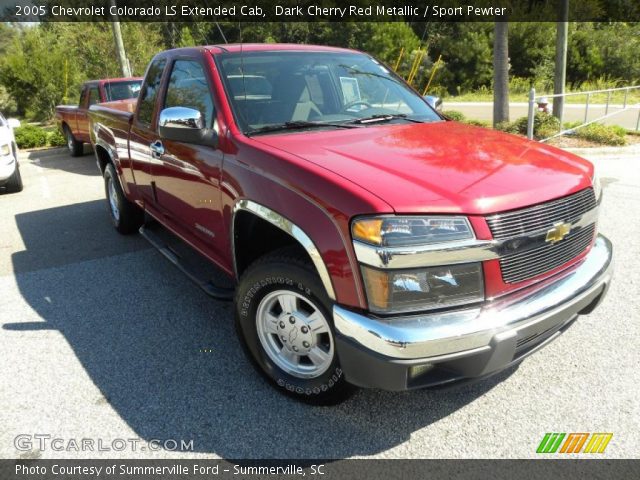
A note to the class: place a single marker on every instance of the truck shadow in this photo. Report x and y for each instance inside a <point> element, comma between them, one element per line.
<point>61,159</point>
<point>165,357</point>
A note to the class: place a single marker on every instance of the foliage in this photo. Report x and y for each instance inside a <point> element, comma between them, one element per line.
<point>56,139</point>
<point>42,65</point>
<point>613,135</point>
<point>7,103</point>
<point>31,136</point>
<point>47,63</point>
<point>544,125</point>
<point>454,115</point>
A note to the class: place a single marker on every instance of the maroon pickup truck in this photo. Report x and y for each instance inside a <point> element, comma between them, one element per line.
<point>73,120</point>
<point>365,240</point>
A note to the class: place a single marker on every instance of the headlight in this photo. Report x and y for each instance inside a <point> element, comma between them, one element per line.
<point>420,288</point>
<point>394,231</point>
<point>393,291</point>
<point>597,186</point>
<point>5,150</point>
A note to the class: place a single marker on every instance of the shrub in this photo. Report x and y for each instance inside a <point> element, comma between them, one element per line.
<point>454,115</point>
<point>603,134</point>
<point>544,125</point>
<point>30,136</point>
<point>477,123</point>
<point>56,139</point>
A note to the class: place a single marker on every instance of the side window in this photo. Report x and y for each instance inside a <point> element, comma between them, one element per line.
<point>94,96</point>
<point>149,92</point>
<point>188,87</point>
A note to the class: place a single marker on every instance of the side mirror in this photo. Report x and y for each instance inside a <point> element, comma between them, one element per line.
<point>435,102</point>
<point>13,122</point>
<point>183,124</point>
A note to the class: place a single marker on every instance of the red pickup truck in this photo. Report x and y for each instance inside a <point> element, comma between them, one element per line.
<point>365,240</point>
<point>73,120</point>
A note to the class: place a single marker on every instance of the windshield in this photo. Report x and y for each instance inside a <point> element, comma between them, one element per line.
<point>122,90</point>
<point>277,88</point>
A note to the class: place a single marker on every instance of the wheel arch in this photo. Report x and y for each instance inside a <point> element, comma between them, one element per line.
<point>250,217</point>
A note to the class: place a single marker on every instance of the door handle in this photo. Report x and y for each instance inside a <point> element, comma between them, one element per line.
<point>157,149</point>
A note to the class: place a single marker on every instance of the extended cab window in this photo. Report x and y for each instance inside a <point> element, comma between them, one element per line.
<point>150,91</point>
<point>188,87</point>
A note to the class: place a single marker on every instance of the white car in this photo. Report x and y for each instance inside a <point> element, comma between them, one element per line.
<point>10,179</point>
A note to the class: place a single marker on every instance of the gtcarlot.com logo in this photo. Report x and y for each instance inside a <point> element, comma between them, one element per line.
<point>574,443</point>
<point>43,442</point>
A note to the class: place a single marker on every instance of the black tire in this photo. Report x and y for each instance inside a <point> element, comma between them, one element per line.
<point>75,147</point>
<point>287,271</point>
<point>126,216</point>
<point>14,183</point>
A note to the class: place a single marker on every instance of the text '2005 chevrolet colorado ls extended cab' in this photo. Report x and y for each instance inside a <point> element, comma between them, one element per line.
<point>368,241</point>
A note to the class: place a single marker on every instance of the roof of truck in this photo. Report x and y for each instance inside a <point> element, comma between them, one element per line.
<point>263,47</point>
<point>115,80</point>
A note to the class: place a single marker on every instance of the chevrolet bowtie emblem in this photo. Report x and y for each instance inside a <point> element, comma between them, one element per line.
<point>558,232</point>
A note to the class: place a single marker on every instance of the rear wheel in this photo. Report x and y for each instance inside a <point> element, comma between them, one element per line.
<point>75,147</point>
<point>283,319</point>
<point>125,215</point>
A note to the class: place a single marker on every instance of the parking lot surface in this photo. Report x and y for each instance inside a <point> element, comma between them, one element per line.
<point>101,338</point>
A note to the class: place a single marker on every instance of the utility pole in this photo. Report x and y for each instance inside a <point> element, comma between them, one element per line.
<point>559,78</point>
<point>117,36</point>
<point>500,72</point>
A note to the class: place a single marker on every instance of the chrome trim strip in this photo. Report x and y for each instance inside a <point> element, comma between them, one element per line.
<point>451,253</point>
<point>463,331</point>
<point>292,229</point>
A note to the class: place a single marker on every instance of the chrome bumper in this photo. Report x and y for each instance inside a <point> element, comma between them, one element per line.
<point>477,341</point>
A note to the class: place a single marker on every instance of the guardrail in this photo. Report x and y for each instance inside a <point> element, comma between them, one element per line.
<point>534,100</point>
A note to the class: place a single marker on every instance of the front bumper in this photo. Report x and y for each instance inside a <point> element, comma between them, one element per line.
<point>434,349</point>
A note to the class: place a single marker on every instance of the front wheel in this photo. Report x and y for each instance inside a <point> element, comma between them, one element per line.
<point>283,320</point>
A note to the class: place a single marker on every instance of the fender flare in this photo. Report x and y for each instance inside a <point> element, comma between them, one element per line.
<point>286,226</point>
<point>102,144</point>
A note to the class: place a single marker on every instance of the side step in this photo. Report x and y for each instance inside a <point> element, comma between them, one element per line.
<point>169,246</point>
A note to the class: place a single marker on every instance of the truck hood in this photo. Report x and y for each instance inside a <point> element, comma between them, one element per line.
<point>441,167</point>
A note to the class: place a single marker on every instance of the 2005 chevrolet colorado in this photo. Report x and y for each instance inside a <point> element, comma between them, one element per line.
<point>369,241</point>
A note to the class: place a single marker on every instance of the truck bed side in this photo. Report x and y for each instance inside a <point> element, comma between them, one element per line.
<point>67,115</point>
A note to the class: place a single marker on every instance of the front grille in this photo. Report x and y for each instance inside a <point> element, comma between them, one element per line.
<point>541,217</point>
<point>518,267</point>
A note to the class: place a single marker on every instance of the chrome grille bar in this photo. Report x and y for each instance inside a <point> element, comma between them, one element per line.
<point>543,216</point>
<point>523,265</point>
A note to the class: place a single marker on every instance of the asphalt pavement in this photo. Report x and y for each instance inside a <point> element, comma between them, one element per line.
<point>101,338</point>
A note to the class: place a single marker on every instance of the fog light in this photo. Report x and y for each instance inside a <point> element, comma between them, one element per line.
<point>393,291</point>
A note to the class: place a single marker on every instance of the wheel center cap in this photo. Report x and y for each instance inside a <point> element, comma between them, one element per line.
<point>295,334</point>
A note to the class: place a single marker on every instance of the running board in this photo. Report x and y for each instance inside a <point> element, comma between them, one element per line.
<point>214,291</point>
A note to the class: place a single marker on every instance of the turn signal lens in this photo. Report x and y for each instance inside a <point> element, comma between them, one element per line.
<point>368,230</point>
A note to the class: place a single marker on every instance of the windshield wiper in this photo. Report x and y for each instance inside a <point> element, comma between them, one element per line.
<point>298,124</point>
<point>384,117</point>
